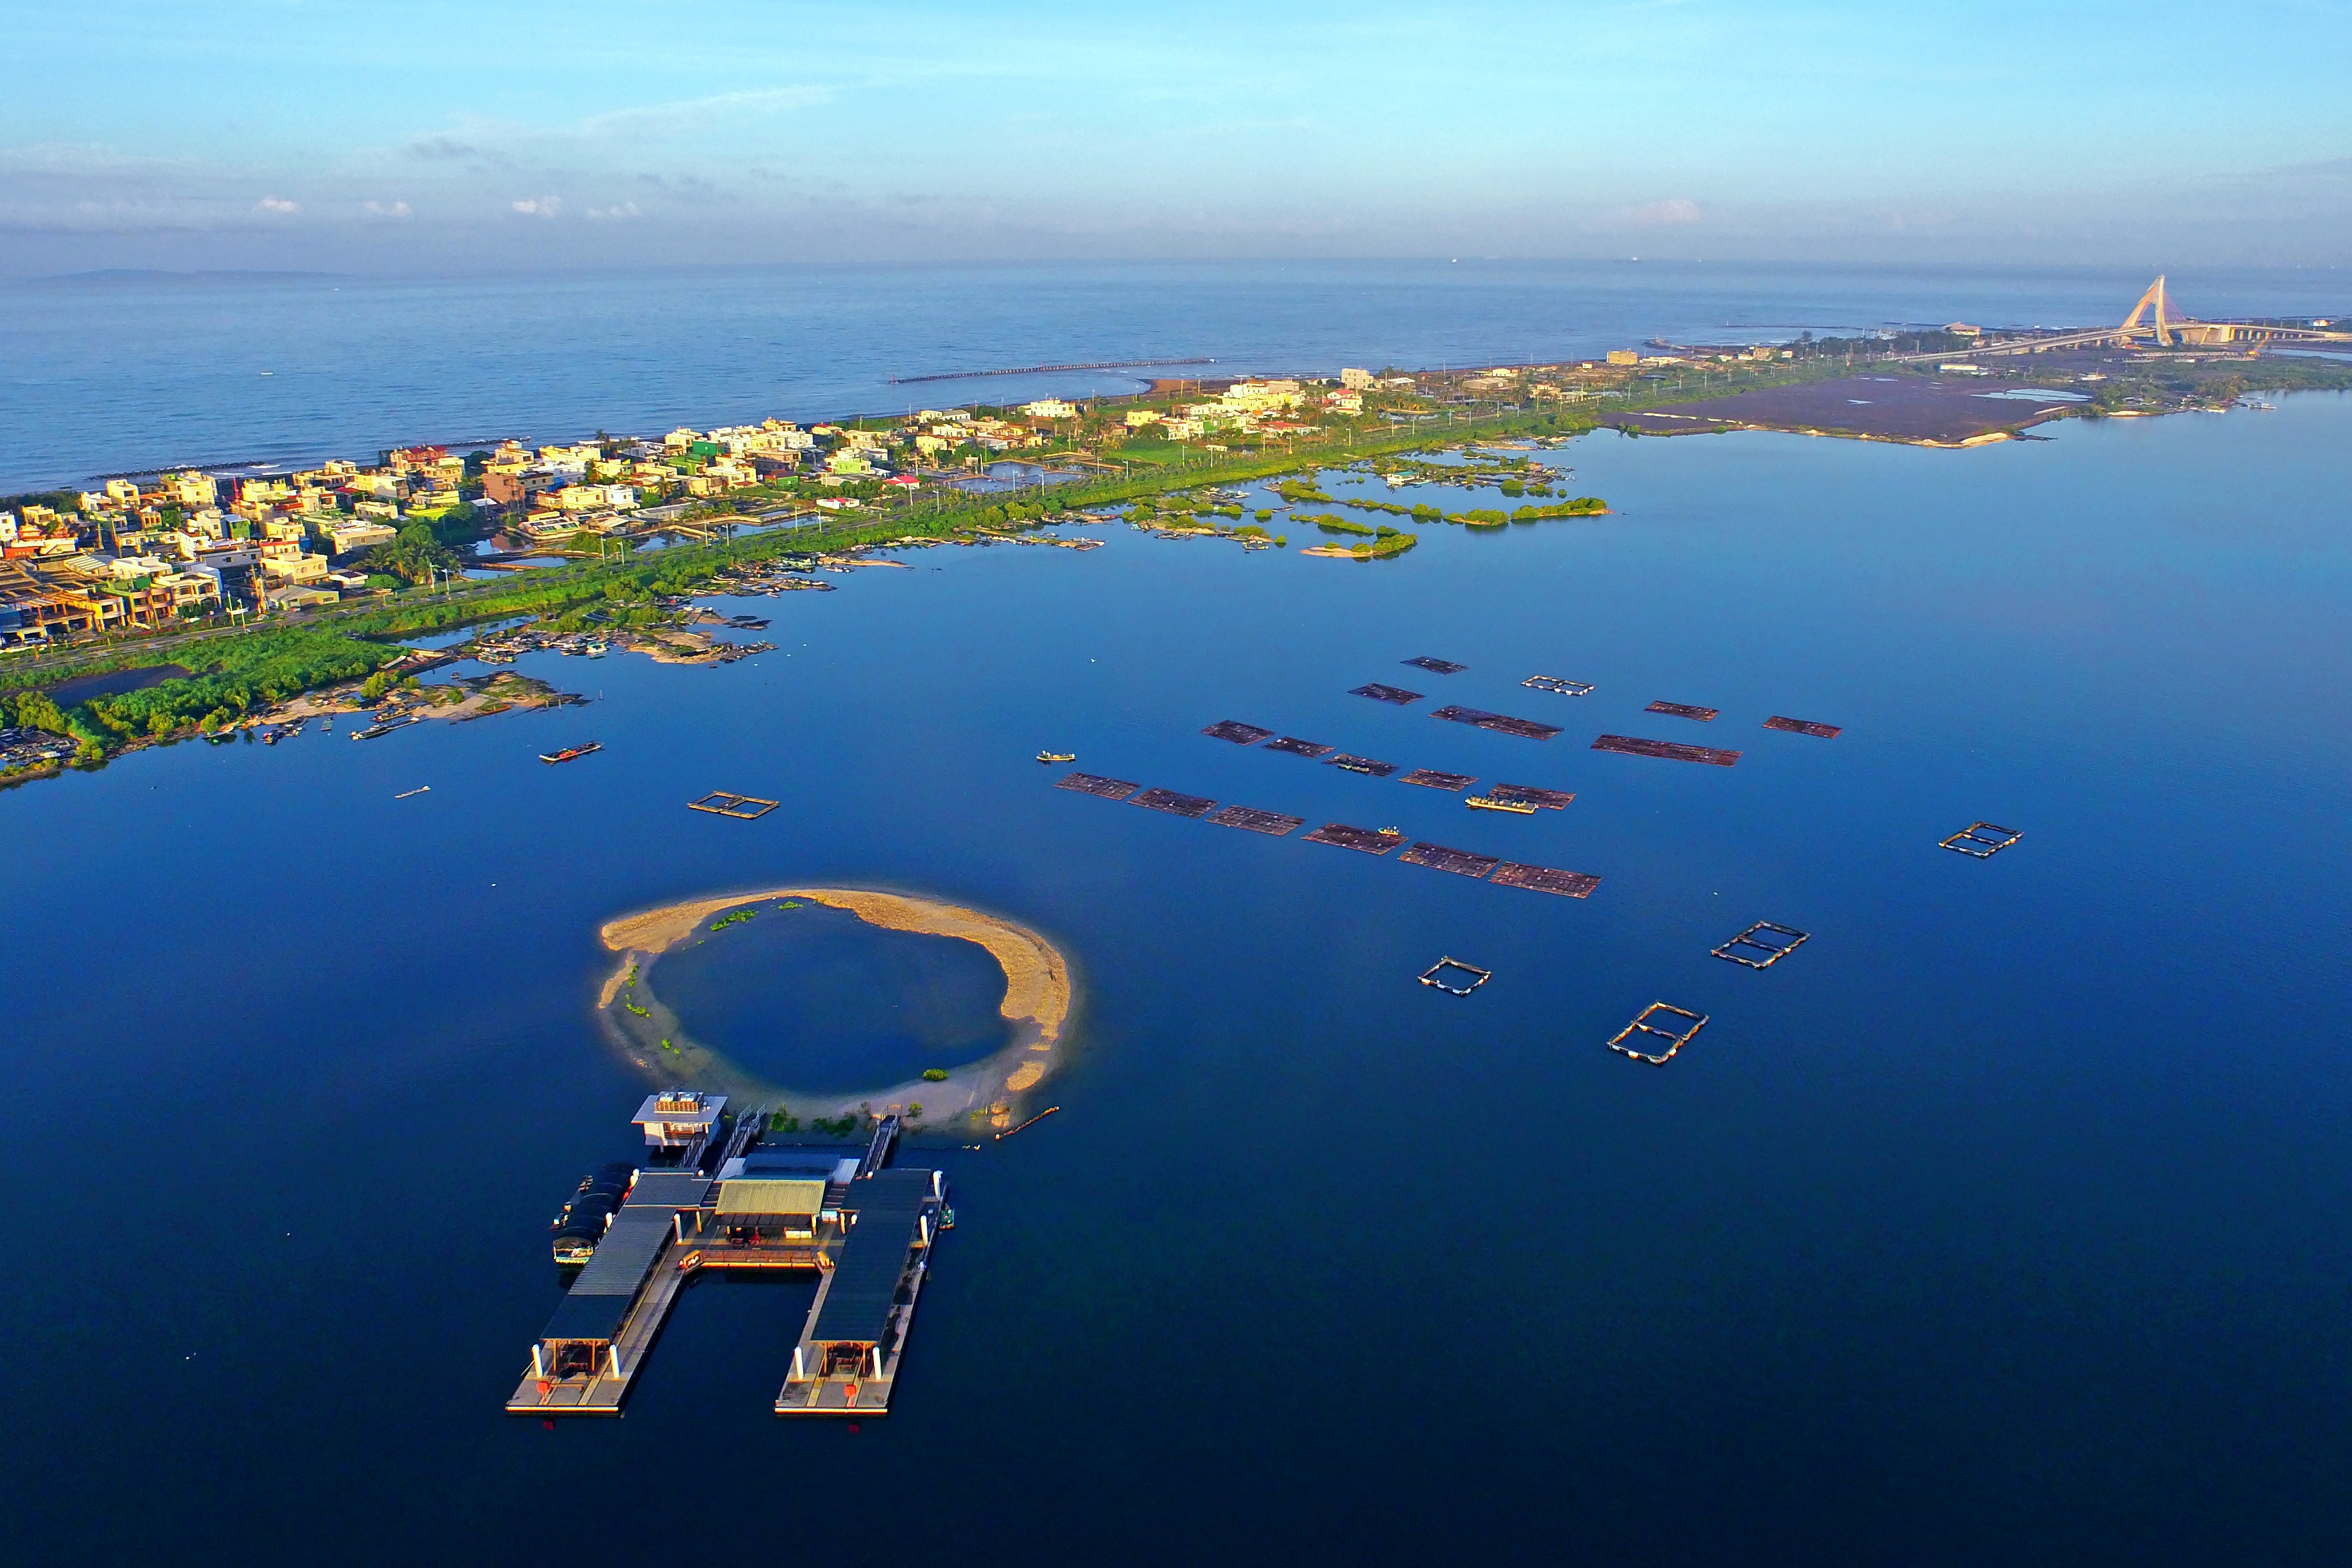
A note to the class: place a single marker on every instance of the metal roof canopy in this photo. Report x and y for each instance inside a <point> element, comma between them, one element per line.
<point>771,1194</point>
<point>668,1190</point>
<point>778,1163</point>
<point>873,1256</point>
<point>590,1318</point>
<point>625,1255</point>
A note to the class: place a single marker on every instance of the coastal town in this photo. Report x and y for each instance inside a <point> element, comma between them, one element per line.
<point>190,546</point>
<point>299,581</point>
<point>153,553</point>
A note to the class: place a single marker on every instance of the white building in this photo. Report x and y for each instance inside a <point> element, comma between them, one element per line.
<point>347,537</point>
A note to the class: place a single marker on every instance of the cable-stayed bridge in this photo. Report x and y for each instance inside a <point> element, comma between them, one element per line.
<point>2155,322</point>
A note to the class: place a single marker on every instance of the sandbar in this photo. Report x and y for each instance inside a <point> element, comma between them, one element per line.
<point>1037,989</point>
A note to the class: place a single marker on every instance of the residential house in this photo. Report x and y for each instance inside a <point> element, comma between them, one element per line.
<point>359,534</point>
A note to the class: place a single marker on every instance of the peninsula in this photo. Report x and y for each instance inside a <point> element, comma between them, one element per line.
<point>242,594</point>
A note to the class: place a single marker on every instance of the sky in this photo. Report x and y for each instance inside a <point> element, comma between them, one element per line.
<point>390,137</point>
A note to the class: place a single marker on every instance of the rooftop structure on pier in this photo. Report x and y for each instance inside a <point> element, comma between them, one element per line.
<point>677,1117</point>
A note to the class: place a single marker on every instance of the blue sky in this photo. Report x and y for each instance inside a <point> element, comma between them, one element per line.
<point>394,136</point>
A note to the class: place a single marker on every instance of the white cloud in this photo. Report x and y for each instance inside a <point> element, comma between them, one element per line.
<point>622,209</point>
<point>1668,213</point>
<point>696,113</point>
<point>388,209</point>
<point>542,206</point>
<point>276,205</point>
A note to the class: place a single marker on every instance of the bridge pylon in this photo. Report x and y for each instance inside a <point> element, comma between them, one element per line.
<point>2153,300</point>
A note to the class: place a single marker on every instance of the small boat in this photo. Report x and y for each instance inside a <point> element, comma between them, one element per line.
<point>595,650</point>
<point>1057,756</point>
<point>569,753</point>
<point>1489,803</point>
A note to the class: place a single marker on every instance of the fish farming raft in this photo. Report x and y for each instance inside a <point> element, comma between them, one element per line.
<point>1982,839</point>
<point>1431,778</point>
<point>1273,823</point>
<point>1761,945</point>
<point>1501,723</point>
<point>1461,862</point>
<point>1371,841</point>
<point>1454,977</point>
<point>1545,879</point>
<point>1095,784</point>
<point>1672,751</point>
<point>1672,1032</point>
<point>1173,803</point>
<point>742,807</point>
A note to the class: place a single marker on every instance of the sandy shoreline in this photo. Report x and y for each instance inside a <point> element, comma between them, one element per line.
<point>1037,991</point>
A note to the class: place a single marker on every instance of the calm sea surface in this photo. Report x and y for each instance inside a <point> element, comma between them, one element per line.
<point>2002,1223</point>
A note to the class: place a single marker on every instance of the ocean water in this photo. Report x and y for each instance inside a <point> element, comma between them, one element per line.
<point>2002,1222</point>
<point>120,374</point>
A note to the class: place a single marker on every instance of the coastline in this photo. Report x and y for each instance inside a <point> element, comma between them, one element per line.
<point>1039,995</point>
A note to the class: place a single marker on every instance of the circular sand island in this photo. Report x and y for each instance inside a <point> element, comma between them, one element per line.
<point>986,1092</point>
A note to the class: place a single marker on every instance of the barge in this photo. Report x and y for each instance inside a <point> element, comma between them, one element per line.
<point>1492,803</point>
